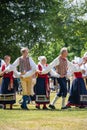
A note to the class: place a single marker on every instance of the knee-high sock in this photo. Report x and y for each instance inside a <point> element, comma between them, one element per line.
<point>25,99</point>
<point>63,102</point>
<point>54,100</point>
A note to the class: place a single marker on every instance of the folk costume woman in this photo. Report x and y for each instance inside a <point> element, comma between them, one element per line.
<point>42,89</point>
<point>84,68</point>
<point>78,89</point>
<point>7,90</point>
<point>1,63</point>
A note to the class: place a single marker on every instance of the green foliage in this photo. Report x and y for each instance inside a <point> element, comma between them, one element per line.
<point>44,26</point>
<point>10,49</point>
<point>50,50</point>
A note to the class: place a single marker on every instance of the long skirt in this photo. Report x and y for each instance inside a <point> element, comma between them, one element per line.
<point>40,91</point>
<point>78,92</point>
<point>0,83</point>
<point>7,96</point>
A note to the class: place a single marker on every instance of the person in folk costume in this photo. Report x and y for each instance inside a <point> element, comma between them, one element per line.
<point>27,68</point>
<point>42,88</point>
<point>61,63</point>
<point>7,83</point>
<point>1,63</point>
<point>84,68</point>
<point>78,87</point>
<point>42,84</point>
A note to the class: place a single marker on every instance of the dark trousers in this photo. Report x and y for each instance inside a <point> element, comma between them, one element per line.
<point>63,87</point>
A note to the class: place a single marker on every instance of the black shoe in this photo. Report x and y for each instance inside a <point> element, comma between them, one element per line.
<point>81,106</point>
<point>38,107</point>
<point>1,106</point>
<point>25,108</point>
<point>45,108</point>
<point>66,107</point>
<point>4,107</point>
<point>52,107</point>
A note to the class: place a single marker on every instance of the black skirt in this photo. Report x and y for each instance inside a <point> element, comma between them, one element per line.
<point>40,91</point>
<point>78,90</point>
<point>7,96</point>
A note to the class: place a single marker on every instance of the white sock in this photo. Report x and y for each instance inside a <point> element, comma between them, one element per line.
<point>63,102</point>
<point>54,100</point>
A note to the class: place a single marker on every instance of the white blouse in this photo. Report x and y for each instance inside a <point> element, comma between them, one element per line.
<point>2,63</point>
<point>71,67</point>
<point>52,72</point>
<point>28,73</point>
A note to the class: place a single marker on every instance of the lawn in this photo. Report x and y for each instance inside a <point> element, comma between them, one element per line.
<point>17,119</point>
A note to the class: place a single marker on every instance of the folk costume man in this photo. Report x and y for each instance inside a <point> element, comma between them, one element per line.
<point>61,64</point>
<point>27,68</point>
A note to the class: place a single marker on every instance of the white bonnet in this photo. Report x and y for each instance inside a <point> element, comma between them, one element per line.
<point>78,60</point>
<point>40,58</point>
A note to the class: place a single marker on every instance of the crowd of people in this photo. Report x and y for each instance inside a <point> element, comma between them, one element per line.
<point>37,80</point>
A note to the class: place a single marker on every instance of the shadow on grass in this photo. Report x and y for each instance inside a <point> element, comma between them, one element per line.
<point>49,110</point>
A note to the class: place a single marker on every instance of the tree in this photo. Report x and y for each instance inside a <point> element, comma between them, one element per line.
<point>36,23</point>
<point>50,50</point>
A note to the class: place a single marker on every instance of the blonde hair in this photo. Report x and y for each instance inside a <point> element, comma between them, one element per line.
<point>64,49</point>
<point>24,49</point>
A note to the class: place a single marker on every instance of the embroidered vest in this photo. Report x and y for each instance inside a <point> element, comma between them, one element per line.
<point>24,64</point>
<point>62,67</point>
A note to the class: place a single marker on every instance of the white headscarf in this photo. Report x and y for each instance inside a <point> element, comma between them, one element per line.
<point>78,60</point>
<point>40,58</point>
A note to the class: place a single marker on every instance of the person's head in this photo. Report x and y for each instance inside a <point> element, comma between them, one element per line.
<point>42,60</point>
<point>64,52</point>
<point>24,51</point>
<point>7,59</point>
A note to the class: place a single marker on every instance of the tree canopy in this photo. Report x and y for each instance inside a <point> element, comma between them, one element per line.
<point>44,26</point>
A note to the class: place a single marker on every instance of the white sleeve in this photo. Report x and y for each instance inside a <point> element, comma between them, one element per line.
<point>54,63</point>
<point>29,73</point>
<point>16,73</point>
<point>54,74</point>
<point>2,62</point>
<point>0,69</point>
<point>72,68</point>
<point>10,68</point>
<point>16,62</point>
<point>32,64</point>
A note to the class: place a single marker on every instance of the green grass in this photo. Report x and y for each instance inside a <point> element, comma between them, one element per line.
<point>17,119</point>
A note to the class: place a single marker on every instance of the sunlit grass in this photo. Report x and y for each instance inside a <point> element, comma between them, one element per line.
<point>17,119</point>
